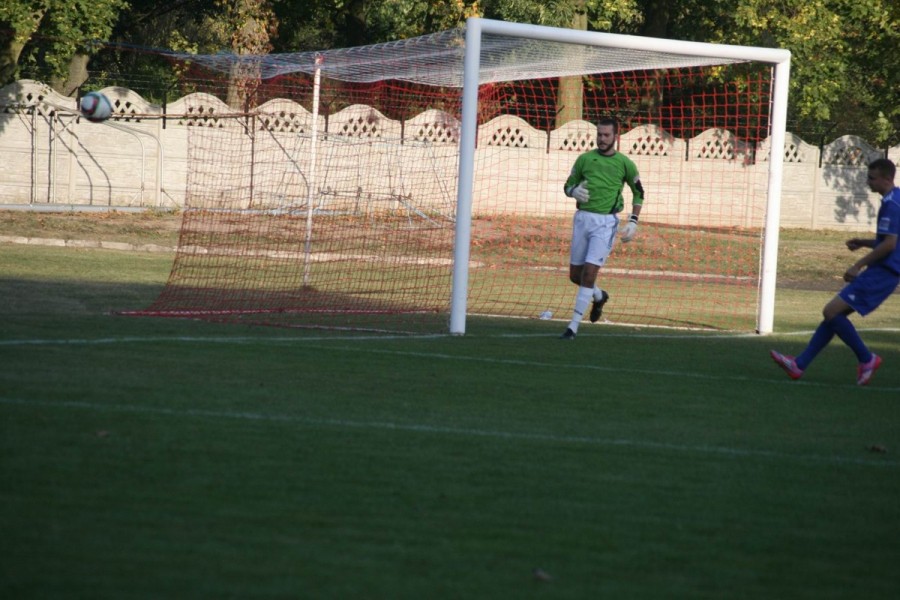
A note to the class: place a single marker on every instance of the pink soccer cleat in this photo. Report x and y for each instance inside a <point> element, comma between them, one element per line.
<point>865,371</point>
<point>787,363</point>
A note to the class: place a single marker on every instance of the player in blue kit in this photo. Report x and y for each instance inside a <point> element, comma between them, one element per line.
<point>596,183</point>
<point>870,281</point>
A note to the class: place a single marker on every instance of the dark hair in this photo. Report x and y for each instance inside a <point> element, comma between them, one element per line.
<point>609,121</point>
<point>883,166</point>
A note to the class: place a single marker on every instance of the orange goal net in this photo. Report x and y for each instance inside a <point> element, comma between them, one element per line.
<point>324,189</point>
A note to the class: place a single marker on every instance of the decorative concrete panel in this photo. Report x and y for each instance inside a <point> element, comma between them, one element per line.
<point>364,122</point>
<point>286,116</point>
<point>434,126</point>
<point>366,161</point>
<point>509,131</point>
<point>574,136</point>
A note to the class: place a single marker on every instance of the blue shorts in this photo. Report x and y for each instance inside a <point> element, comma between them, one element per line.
<point>873,286</point>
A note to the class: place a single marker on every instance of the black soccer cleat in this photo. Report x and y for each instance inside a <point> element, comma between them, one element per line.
<point>568,334</point>
<point>597,307</point>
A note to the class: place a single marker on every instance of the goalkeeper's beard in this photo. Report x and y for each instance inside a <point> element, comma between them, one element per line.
<point>607,149</point>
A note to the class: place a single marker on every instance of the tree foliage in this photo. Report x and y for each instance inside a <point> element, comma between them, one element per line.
<point>845,70</point>
<point>345,23</point>
<point>53,35</point>
<point>845,67</point>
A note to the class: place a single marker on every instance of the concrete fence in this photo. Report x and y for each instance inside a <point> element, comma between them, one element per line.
<point>53,158</point>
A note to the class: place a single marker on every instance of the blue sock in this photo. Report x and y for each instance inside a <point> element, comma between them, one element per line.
<point>845,330</point>
<point>819,340</point>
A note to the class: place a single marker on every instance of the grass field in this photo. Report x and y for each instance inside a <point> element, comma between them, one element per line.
<point>162,458</point>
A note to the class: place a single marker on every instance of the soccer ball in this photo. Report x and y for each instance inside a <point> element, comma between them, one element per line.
<point>95,107</point>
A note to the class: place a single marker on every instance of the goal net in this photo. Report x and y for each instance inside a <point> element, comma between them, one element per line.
<point>417,186</point>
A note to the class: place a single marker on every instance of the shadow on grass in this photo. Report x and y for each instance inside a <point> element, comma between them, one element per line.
<point>65,300</point>
<point>71,298</point>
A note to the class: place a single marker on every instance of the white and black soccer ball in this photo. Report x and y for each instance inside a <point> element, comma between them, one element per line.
<point>95,107</point>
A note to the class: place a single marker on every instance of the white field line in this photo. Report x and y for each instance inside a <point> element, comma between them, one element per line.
<point>723,451</point>
<point>333,257</point>
<point>279,254</point>
<point>697,334</point>
<point>640,372</point>
<point>316,343</point>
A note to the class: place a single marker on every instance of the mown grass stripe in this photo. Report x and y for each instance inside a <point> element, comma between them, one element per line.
<point>456,431</point>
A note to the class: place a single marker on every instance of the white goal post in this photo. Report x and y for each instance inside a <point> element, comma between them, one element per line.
<point>637,53</point>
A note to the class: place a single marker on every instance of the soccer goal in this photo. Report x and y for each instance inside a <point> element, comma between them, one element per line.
<point>417,185</point>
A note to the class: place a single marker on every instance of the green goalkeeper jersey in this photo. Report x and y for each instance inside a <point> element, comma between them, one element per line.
<point>605,177</point>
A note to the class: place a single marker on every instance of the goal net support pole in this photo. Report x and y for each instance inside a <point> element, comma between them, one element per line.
<point>313,152</point>
<point>477,27</point>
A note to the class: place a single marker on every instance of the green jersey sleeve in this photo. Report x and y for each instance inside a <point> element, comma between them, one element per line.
<point>633,179</point>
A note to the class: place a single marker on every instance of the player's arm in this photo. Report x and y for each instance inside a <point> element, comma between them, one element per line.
<point>633,179</point>
<point>882,246</point>
<point>576,186</point>
<point>857,243</point>
<point>881,249</point>
<point>636,209</point>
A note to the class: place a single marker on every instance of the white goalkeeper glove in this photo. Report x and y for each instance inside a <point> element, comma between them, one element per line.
<point>580,193</point>
<point>630,229</point>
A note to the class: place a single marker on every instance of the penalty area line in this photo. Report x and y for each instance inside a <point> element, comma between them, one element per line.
<point>523,436</point>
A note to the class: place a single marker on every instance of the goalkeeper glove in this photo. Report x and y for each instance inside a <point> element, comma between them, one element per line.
<point>580,193</point>
<point>630,229</point>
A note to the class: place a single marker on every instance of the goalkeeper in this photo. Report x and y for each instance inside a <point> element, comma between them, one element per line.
<point>596,183</point>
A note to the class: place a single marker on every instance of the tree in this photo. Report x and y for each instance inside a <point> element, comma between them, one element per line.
<point>844,60</point>
<point>569,104</point>
<point>602,15</point>
<point>322,24</point>
<point>188,26</point>
<point>55,38</point>
<point>252,24</point>
<point>20,20</point>
<point>845,70</point>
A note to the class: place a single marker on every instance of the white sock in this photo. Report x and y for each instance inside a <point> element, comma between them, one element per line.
<point>598,293</point>
<point>582,300</point>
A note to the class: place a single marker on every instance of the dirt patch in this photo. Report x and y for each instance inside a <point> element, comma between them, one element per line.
<point>160,228</point>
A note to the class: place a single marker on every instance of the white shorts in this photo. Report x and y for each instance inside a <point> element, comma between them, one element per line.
<point>593,237</point>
